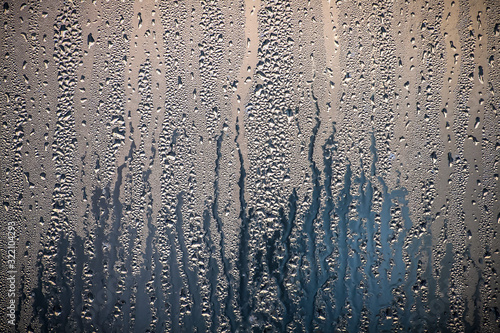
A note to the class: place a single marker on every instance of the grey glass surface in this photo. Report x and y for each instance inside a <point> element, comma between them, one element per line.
<point>249,166</point>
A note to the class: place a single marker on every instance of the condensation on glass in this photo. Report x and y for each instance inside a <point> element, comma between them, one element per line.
<point>250,166</point>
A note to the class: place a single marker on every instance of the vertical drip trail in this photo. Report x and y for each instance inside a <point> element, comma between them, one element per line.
<point>441,311</point>
<point>67,31</point>
<point>272,264</point>
<point>311,287</point>
<point>143,311</point>
<point>328,149</point>
<point>341,283</point>
<point>114,243</point>
<point>196,320</point>
<point>473,326</point>
<point>402,226</point>
<point>408,321</point>
<point>242,263</point>
<point>355,296</point>
<point>288,224</point>
<point>131,303</point>
<point>384,292</point>
<point>80,259</point>
<point>63,307</point>
<point>175,282</point>
<point>213,272</point>
<point>225,262</point>
<point>366,214</point>
<point>160,297</point>
<point>366,199</point>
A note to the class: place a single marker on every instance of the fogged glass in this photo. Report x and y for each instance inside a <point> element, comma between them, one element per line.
<point>249,166</point>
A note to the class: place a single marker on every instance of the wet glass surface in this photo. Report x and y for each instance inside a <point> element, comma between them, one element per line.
<point>250,166</point>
